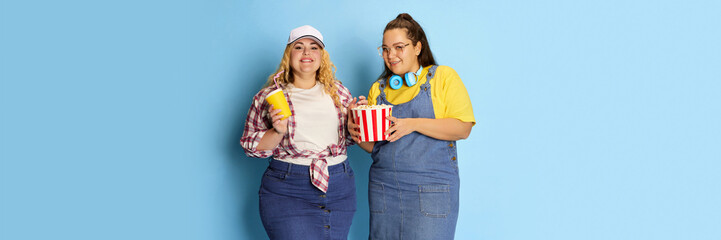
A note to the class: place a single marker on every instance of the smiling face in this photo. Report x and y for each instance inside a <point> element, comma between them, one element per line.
<point>399,54</point>
<point>305,57</point>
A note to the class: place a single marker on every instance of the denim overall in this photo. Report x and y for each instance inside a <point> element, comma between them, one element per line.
<point>413,185</point>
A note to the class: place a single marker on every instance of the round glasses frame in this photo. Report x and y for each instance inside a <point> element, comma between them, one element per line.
<point>385,51</point>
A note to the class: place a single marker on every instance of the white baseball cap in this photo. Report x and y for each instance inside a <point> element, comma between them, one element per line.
<point>306,32</point>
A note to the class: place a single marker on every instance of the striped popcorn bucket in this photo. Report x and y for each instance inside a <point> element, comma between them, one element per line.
<point>372,121</point>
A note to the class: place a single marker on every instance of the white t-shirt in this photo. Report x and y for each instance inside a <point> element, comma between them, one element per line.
<point>316,121</point>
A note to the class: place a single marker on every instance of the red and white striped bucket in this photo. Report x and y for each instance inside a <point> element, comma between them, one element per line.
<point>372,121</point>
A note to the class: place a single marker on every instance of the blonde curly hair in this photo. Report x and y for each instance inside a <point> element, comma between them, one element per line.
<point>325,74</point>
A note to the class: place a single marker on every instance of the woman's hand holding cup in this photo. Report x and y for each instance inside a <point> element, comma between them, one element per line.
<point>279,124</point>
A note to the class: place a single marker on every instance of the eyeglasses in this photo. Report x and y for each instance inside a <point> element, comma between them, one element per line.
<point>384,51</point>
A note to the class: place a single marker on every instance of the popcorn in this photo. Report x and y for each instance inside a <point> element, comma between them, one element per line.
<point>372,107</point>
<point>372,121</point>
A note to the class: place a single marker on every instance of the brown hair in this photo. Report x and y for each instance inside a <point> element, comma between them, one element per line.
<point>415,34</point>
<point>325,74</point>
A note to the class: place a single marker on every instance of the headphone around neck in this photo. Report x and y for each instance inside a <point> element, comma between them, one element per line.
<point>395,81</point>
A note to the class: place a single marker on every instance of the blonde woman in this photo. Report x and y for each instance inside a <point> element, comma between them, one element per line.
<point>308,190</point>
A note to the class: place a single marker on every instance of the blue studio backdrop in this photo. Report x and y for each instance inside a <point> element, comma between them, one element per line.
<point>595,119</point>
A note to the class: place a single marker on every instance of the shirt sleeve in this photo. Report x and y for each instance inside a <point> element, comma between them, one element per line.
<point>456,98</point>
<point>373,94</point>
<point>255,128</point>
<point>345,99</point>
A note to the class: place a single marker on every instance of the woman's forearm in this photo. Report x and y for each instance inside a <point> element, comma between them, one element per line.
<point>449,129</point>
<point>367,146</point>
<point>270,140</point>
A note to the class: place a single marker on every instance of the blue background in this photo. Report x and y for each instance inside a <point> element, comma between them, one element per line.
<point>595,119</point>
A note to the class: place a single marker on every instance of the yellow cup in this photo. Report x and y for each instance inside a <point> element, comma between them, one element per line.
<point>277,98</point>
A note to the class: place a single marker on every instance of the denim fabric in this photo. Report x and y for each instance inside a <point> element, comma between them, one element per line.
<point>413,188</point>
<point>292,208</point>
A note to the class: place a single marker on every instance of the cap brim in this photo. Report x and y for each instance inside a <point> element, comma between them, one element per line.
<point>311,37</point>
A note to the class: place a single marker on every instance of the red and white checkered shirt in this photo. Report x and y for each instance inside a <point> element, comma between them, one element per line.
<point>259,122</point>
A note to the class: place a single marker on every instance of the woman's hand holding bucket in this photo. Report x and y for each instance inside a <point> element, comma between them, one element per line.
<point>399,128</point>
<point>353,127</point>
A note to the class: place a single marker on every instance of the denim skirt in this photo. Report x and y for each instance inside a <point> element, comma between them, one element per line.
<point>292,208</point>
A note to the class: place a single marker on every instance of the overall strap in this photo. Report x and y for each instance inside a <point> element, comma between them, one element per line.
<point>431,74</point>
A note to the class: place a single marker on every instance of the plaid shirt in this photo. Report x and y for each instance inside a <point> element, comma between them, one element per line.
<point>259,122</point>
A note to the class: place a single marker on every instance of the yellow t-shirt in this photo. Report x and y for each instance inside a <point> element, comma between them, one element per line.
<point>449,95</point>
